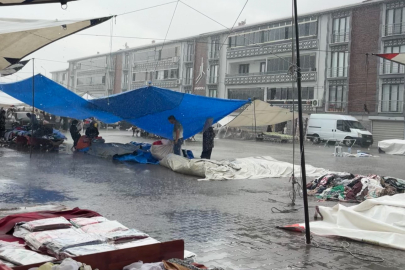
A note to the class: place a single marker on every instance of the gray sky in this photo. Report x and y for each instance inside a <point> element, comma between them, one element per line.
<point>148,23</point>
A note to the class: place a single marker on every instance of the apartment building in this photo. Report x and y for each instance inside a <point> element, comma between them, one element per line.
<point>340,74</point>
<point>61,76</point>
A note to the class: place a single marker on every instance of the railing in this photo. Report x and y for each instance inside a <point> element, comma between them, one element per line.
<point>266,73</point>
<point>340,37</point>
<point>337,72</point>
<point>390,106</point>
<point>391,68</point>
<point>212,79</point>
<point>214,54</point>
<point>189,58</point>
<point>336,106</point>
<point>394,29</point>
<point>305,107</point>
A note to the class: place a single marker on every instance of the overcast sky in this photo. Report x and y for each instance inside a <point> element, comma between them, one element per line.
<point>151,23</point>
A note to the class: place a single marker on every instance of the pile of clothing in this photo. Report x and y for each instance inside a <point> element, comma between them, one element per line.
<point>354,188</point>
<point>59,238</point>
<point>55,135</point>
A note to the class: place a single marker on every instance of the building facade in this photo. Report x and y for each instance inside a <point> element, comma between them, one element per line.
<point>340,74</point>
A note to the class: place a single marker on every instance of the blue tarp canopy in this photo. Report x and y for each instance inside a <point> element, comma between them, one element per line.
<point>147,107</point>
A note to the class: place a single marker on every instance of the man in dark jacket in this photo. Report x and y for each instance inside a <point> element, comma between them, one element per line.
<point>92,131</point>
<point>208,143</point>
<point>74,132</point>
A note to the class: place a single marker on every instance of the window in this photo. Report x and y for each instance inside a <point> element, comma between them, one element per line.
<point>189,52</point>
<point>244,69</point>
<point>165,74</point>
<point>341,28</point>
<point>189,75</point>
<point>245,94</point>
<point>160,75</point>
<point>339,64</point>
<point>262,67</point>
<point>213,78</point>
<point>337,98</point>
<point>174,73</point>
<point>125,84</point>
<point>390,67</point>
<point>392,98</point>
<point>212,92</point>
<point>64,76</point>
<point>134,77</point>
<point>103,80</point>
<point>288,93</point>
<point>214,48</point>
<point>282,65</point>
<point>342,126</point>
<point>394,21</point>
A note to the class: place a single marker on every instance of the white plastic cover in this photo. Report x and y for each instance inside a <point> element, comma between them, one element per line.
<point>260,113</point>
<point>145,266</point>
<point>161,151</point>
<point>240,168</point>
<point>80,222</point>
<point>47,224</point>
<point>23,256</point>
<point>37,240</point>
<point>376,221</point>
<point>58,245</point>
<point>125,236</point>
<point>104,228</point>
<point>392,147</point>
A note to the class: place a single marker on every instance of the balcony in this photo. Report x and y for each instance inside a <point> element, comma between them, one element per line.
<point>336,106</point>
<point>212,80</point>
<point>189,58</point>
<point>171,63</point>
<point>260,78</point>
<point>391,68</point>
<point>394,29</point>
<point>390,106</point>
<point>340,37</point>
<point>214,55</point>
<point>306,108</point>
<point>167,83</point>
<point>338,72</point>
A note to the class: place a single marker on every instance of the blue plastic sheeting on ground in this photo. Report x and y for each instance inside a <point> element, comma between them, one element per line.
<point>55,99</point>
<point>144,146</point>
<point>142,157</point>
<point>149,108</point>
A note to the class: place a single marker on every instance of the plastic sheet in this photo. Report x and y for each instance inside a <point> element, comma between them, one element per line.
<point>23,256</point>
<point>56,246</point>
<point>85,250</point>
<point>104,228</point>
<point>80,222</point>
<point>145,266</point>
<point>10,245</point>
<point>138,243</point>
<point>161,151</point>
<point>125,236</point>
<point>47,224</point>
<point>68,264</point>
<point>38,240</point>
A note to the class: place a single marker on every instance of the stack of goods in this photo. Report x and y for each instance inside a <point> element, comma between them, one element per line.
<point>60,238</point>
<point>354,188</point>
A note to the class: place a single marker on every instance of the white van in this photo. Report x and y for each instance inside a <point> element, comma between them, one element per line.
<point>335,127</point>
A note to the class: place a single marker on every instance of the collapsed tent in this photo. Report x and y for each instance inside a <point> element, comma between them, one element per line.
<point>260,113</point>
<point>20,37</point>
<point>392,147</point>
<point>378,221</point>
<point>149,107</point>
<point>55,99</point>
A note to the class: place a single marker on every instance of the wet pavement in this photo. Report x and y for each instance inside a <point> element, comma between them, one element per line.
<point>227,223</point>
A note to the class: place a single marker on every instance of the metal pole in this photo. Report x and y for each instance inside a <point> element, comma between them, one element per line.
<point>33,103</point>
<point>254,113</point>
<point>301,128</point>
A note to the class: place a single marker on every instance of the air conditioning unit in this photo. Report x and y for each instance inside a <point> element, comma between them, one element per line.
<point>316,103</point>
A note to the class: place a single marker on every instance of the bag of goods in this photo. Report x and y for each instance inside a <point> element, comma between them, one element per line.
<point>125,236</point>
<point>23,256</point>
<point>80,222</point>
<point>137,243</point>
<point>38,240</point>
<point>46,224</point>
<point>161,151</point>
<point>104,228</point>
<point>86,250</point>
<point>58,245</point>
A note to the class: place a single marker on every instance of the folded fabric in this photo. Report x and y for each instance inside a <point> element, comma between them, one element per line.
<point>10,245</point>
<point>125,236</point>
<point>58,245</point>
<point>85,250</point>
<point>104,228</point>
<point>80,222</point>
<point>38,240</point>
<point>23,256</point>
<point>46,224</point>
<point>145,266</point>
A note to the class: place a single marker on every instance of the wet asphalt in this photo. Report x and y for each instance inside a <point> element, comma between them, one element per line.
<point>227,223</point>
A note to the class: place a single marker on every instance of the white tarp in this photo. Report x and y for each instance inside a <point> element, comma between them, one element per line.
<point>392,147</point>
<point>21,37</point>
<point>240,168</point>
<point>261,113</point>
<point>8,100</point>
<point>224,121</point>
<point>378,221</point>
<point>87,96</point>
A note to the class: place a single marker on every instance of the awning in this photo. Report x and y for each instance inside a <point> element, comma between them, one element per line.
<point>147,107</point>
<point>7,100</point>
<point>30,2</point>
<point>261,113</point>
<point>394,57</point>
<point>21,37</point>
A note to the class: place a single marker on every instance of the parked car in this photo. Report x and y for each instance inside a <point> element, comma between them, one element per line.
<point>335,127</point>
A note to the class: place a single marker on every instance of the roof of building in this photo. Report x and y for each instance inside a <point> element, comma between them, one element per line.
<point>60,70</point>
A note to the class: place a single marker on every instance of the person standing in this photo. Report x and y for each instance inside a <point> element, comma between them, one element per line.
<point>208,143</point>
<point>2,122</point>
<point>177,134</point>
<point>133,131</point>
<point>74,132</point>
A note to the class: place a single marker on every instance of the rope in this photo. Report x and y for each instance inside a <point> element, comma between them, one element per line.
<point>284,211</point>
